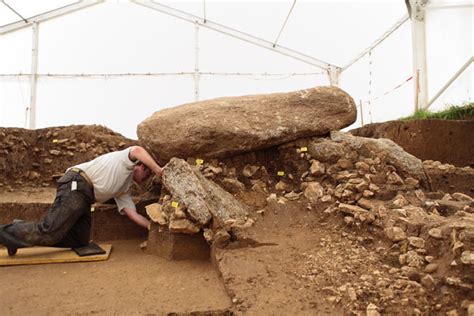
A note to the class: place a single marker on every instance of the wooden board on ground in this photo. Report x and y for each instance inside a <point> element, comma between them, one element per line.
<point>40,255</point>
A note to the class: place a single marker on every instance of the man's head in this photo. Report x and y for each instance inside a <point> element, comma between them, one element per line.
<point>140,173</point>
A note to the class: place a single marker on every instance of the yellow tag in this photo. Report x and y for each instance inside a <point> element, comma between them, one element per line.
<point>92,209</point>
<point>304,149</point>
<point>174,204</point>
<point>55,140</point>
<point>199,161</point>
<point>281,173</point>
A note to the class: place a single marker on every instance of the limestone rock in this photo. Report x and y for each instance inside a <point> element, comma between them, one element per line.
<point>317,168</point>
<point>156,214</point>
<point>233,185</point>
<point>313,191</point>
<point>227,126</point>
<point>435,233</point>
<point>395,233</point>
<point>183,226</point>
<point>416,242</point>
<point>467,257</point>
<point>202,198</point>
<point>249,170</point>
<point>430,268</point>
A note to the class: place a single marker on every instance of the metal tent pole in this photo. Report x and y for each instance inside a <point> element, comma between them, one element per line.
<point>196,62</point>
<point>418,27</point>
<point>33,77</point>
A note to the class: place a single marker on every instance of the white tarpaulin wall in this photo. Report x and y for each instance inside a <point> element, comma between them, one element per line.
<point>123,38</point>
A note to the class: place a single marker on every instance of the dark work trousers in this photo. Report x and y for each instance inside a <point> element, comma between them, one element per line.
<point>67,222</point>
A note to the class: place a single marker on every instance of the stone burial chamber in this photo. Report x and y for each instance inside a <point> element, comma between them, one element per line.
<point>194,212</point>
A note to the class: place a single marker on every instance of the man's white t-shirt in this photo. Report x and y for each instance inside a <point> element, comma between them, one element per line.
<point>111,174</point>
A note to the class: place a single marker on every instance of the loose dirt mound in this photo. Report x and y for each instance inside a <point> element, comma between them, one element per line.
<point>37,157</point>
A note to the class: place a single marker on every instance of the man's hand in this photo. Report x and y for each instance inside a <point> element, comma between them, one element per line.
<point>136,218</point>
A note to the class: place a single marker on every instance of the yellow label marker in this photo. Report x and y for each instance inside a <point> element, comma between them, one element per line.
<point>281,173</point>
<point>55,140</point>
<point>199,161</point>
<point>92,209</point>
<point>304,149</point>
<point>174,204</point>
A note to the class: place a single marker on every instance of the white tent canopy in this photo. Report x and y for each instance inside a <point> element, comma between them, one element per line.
<point>116,62</point>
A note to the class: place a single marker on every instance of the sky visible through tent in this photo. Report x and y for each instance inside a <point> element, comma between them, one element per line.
<point>121,37</point>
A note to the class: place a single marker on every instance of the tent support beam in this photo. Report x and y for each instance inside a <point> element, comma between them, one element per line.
<point>15,26</point>
<point>31,111</point>
<point>418,27</point>
<point>233,33</point>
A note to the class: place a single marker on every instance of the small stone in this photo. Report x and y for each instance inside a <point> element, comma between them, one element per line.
<point>411,182</point>
<point>430,268</point>
<point>435,233</point>
<point>183,226</point>
<point>313,191</point>
<point>48,161</point>
<point>55,152</point>
<point>360,165</point>
<point>395,233</point>
<point>428,281</point>
<point>372,310</point>
<point>470,310</point>
<point>281,186</point>
<point>351,293</point>
<point>326,198</point>
<point>452,312</point>
<point>317,168</point>
<point>292,196</point>
<point>461,197</point>
<point>394,178</point>
<point>272,198</point>
<point>250,170</point>
<point>367,193</point>
<point>345,163</point>
<point>233,185</point>
<point>416,242</point>
<point>467,257</point>
<point>156,214</point>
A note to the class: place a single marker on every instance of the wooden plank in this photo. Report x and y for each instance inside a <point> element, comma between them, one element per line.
<point>40,255</point>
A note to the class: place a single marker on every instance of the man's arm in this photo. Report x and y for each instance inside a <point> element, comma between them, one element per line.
<point>139,153</point>
<point>136,218</point>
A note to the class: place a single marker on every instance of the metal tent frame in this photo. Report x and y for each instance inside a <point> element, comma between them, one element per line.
<point>416,8</point>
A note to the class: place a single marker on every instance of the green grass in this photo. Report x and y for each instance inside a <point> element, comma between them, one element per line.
<point>454,112</point>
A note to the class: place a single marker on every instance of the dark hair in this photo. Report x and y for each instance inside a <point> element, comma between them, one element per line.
<point>139,163</point>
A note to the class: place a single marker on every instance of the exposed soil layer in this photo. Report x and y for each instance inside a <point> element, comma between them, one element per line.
<point>129,283</point>
<point>447,141</point>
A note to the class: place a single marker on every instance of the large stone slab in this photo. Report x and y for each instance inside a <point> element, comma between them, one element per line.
<point>227,126</point>
<point>201,198</point>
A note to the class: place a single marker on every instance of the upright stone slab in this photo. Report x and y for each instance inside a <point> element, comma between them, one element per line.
<point>227,126</point>
<point>193,210</point>
<point>202,198</point>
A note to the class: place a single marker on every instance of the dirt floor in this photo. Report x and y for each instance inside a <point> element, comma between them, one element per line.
<point>299,258</point>
<point>130,282</point>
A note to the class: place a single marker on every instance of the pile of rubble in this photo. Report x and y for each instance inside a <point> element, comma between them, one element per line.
<point>38,157</point>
